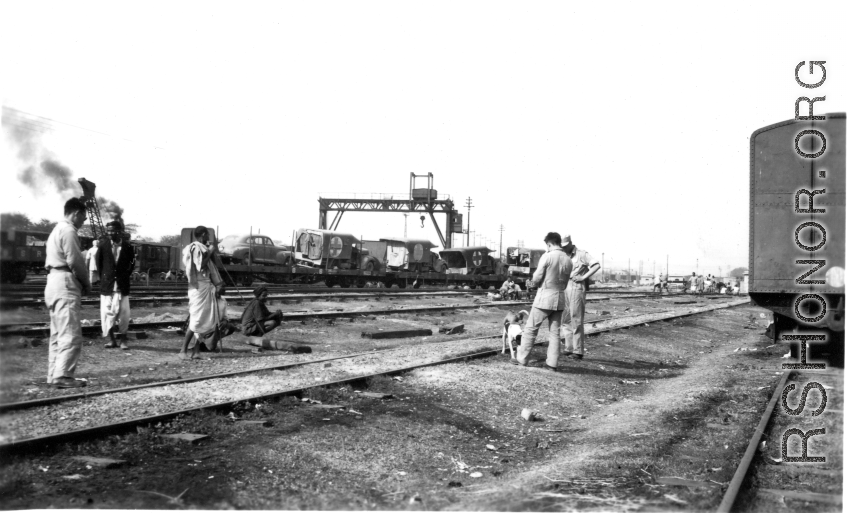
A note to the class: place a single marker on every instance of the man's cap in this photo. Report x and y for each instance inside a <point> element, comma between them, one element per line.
<point>258,291</point>
<point>566,239</point>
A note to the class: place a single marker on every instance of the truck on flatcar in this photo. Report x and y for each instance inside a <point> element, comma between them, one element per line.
<point>797,218</point>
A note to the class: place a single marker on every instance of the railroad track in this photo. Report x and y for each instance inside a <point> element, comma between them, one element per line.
<point>41,329</point>
<point>803,473</point>
<point>154,395</point>
<point>279,295</point>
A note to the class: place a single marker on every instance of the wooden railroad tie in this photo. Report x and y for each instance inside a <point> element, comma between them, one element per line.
<point>186,437</point>
<point>396,334</point>
<point>374,395</point>
<point>452,330</point>
<point>279,345</point>
<point>99,462</point>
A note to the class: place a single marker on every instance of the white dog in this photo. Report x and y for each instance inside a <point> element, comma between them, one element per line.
<point>512,330</point>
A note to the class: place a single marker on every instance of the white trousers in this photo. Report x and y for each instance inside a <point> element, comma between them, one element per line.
<point>114,311</point>
<point>64,301</point>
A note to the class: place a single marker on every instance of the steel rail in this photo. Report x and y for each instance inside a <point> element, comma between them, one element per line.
<point>120,427</point>
<point>40,328</point>
<point>744,465</point>
<point>44,329</point>
<point>22,405</point>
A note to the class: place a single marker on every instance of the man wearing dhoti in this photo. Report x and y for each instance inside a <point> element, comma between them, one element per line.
<point>204,285</point>
<point>116,261</point>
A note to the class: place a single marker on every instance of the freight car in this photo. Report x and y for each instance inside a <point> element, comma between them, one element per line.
<point>797,217</point>
<point>154,259</point>
<point>22,251</point>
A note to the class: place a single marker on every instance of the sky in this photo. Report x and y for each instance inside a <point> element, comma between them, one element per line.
<point>625,125</point>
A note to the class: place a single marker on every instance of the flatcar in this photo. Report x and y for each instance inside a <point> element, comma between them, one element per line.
<point>797,217</point>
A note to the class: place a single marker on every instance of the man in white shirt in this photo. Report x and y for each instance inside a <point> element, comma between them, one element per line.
<point>67,282</point>
<point>91,264</point>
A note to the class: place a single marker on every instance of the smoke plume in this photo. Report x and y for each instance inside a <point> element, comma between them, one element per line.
<point>40,168</point>
<point>111,209</point>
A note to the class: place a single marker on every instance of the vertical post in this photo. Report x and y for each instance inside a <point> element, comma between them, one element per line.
<point>405,223</point>
<point>668,267</point>
<point>500,251</point>
<point>603,263</point>
<point>469,204</point>
<point>628,272</point>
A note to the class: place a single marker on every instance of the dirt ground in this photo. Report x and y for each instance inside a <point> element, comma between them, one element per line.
<point>677,398</point>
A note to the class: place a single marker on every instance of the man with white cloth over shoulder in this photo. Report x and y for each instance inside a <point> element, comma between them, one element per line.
<point>204,285</point>
<point>551,278</point>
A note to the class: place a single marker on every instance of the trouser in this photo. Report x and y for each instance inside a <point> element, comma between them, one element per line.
<point>573,332</point>
<point>114,311</point>
<point>63,299</point>
<point>530,331</point>
<point>94,277</point>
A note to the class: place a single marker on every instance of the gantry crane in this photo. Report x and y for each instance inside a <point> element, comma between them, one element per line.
<point>420,200</point>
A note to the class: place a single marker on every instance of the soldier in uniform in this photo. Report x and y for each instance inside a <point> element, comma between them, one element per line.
<point>584,267</point>
<point>67,282</point>
<point>551,279</point>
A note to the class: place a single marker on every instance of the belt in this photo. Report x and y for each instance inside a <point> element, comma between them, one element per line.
<point>63,268</point>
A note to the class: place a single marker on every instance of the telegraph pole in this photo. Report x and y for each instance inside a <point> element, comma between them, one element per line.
<point>469,204</point>
<point>603,263</point>
<point>405,223</point>
<point>500,251</point>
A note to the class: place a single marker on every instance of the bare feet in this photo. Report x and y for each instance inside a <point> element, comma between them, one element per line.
<point>183,356</point>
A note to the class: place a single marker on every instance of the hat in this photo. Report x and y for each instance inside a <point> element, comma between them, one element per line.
<point>258,291</point>
<point>566,240</point>
<point>553,237</point>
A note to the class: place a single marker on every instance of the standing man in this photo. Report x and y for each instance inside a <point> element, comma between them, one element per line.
<point>551,278</point>
<point>67,282</point>
<point>257,320</point>
<point>584,267</point>
<point>91,263</point>
<point>657,284</point>
<point>664,284</point>
<point>204,286</point>
<point>116,261</point>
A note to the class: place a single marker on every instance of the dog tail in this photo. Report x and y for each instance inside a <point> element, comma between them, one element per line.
<point>524,314</point>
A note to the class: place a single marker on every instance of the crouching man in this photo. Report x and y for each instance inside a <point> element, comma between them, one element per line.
<point>257,320</point>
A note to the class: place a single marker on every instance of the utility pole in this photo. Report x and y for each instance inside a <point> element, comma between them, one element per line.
<point>469,204</point>
<point>628,271</point>
<point>405,223</point>
<point>603,263</point>
<point>667,267</point>
<point>500,251</point>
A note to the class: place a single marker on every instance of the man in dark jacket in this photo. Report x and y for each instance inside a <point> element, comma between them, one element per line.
<point>257,320</point>
<point>116,261</point>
